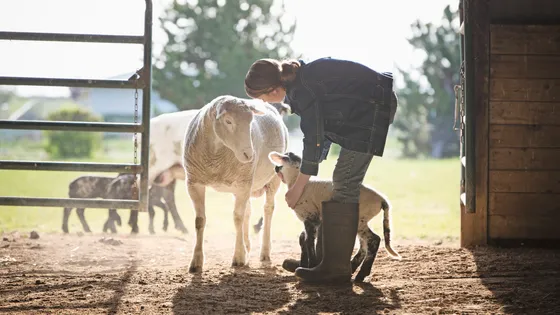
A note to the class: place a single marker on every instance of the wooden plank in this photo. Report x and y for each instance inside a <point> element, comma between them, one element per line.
<point>524,136</point>
<point>522,205</point>
<point>535,90</point>
<point>474,225</point>
<point>524,159</point>
<point>524,181</point>
<point>525,66</point>
<point>525,39</point>
<point>524,113</point>
<point>528,227</point>
<point>524,11</point>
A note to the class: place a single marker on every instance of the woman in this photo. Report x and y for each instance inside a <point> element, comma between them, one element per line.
<point>342,102</point>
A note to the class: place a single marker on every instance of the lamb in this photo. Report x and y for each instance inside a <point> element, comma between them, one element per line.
<point>308,210</point>
<point>226,147</point>
<point>99,187</point>
<point>119,188</point>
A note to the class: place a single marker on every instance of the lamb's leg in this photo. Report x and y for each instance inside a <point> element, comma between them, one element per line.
<point>271,189</point>
<point>197,194</point>
<point>246,223</point>
<point>258,226</point>
<point>113,217</point>
<point>165,218</point>
<point>372,241</point>
<point>240,252</point>
<point>360,255</point>
<point>310,235</point>
<point>80,212</point>
<point>151,213</point>
<point>65,217</point>
<point>169,197</point>
<point>133,221</point>
<point>292,264</point>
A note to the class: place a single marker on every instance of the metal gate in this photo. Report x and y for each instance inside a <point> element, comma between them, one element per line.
<point>142,80</point>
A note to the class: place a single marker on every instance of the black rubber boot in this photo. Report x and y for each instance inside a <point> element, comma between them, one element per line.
<point>339,229</point>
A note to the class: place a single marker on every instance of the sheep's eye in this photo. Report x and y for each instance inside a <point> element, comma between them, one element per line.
<point>228,122</point>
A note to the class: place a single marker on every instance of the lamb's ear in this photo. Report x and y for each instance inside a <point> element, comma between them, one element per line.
<point>277,158</point>
<point>282,108</point>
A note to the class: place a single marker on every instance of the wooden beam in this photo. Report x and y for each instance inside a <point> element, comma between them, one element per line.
<point>524,136</point>
<point>524,159</point>
<point>522,205</point>
<point>535,90</point>
<point>524,113</point>
<point>525,66</point>
<point>525,181</point>
<point>525,39</point>
<point>530,227</point>
<point>474,226</point>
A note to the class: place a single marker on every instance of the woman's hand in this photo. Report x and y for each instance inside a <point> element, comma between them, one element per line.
<point>294,193</point>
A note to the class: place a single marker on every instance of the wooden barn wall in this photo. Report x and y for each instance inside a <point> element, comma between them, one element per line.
<point>524,130</point>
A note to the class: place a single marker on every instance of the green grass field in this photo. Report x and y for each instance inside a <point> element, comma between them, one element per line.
<point>424,194</point>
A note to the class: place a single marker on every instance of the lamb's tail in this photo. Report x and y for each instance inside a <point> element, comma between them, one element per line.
<point>386,206</point>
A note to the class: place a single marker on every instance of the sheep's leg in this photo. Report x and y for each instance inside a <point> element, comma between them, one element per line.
<point>360,255</point>
<point>197,193</point>
<point>310,235</point>
<point>151,213</point>
<point>372,240</point>
<point>246,223</point>
<point>240,252</point>
<point>65,217</point>
<point>271,189</point>
<point>83,221</point>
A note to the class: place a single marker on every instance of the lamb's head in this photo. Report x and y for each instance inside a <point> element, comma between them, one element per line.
<point>232,125</point>
<point>121,187</point>
<point>281,108</point>
<point>286,166</point>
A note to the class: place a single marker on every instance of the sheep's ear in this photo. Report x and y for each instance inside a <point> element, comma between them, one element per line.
<point>256,106</point>
<point>257,112</point>
<point>223,104</point>
<point>277,158</point>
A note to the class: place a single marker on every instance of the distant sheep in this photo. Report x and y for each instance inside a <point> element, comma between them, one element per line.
<point>308,210</point>
<point>226,147</point>
<point>120,187</point>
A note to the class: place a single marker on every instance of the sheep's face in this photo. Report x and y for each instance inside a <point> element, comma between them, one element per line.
<point>286,165</point>
<point>232,125</point>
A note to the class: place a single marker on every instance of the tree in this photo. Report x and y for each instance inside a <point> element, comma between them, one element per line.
<point>425,115</point>
<point>211,45</point>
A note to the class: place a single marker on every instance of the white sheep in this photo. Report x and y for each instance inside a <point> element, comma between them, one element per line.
<point>308,210</point>
<point>226,148</point>
<point>167,132</point>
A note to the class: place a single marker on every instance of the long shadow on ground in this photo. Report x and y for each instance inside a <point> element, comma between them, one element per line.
<point>266,290</point>
<point>362,298</point>
<point>523,280</point>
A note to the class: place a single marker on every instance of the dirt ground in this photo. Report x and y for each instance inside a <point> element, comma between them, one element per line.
<point>70,274</point>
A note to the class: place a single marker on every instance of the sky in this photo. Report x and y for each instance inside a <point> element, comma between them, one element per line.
<point>372,32</point>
